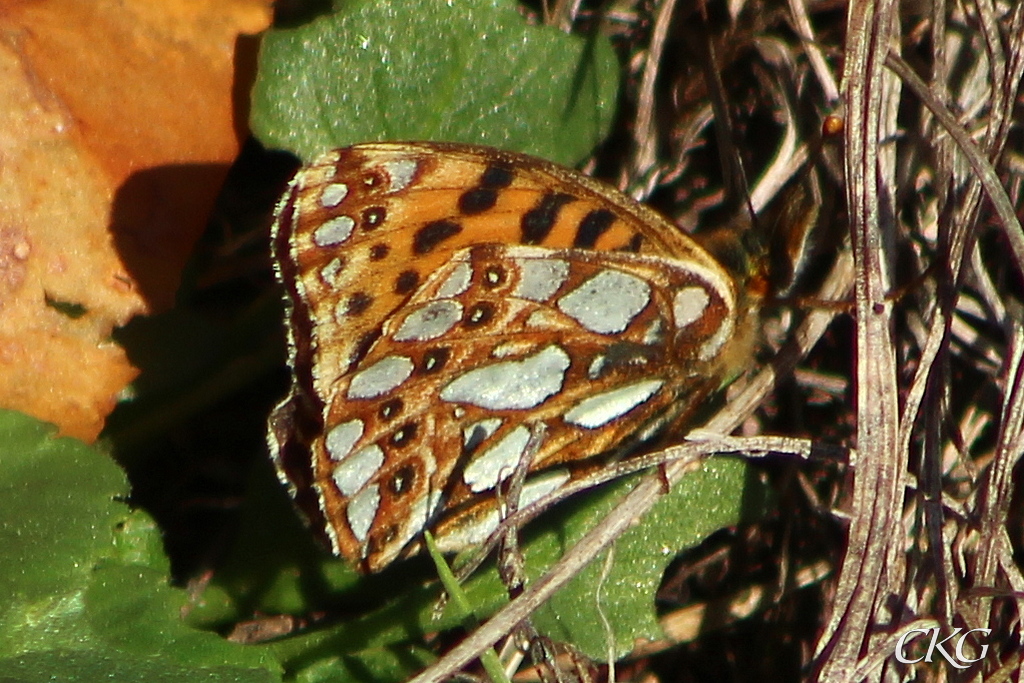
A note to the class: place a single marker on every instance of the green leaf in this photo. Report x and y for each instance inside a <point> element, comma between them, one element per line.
<point>488,658</point>
<point>471,71</point>
<point>84,580</point>
<point>377,666</point>
<point>75,666</point>
<point>138,542</point>
<point>57,520</point>
<point>132,610</point>
<point>702,502</point>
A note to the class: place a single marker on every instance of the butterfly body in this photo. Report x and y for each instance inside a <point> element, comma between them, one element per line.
<point>456,313</point>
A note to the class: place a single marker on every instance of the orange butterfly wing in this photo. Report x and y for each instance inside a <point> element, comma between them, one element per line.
<point>366,239</point>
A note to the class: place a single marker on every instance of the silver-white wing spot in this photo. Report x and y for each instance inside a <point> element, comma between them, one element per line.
<point>407,527</point>
<point>401,173</point>
<point>497,462</point>
<point>457,282</point>
<point>418,516</point>
<point>354,471</point>
<point>542,485</point>
<point>362,508</point>
<point>515,347</point>
<point>689,305</point>
<point>712,346</point>
<point>478,432</point>
<point>601,409</point>
<point>333,232</point>
<point>333,195</point>
<point>544,319</point>
<point>607,302</point>
<point>329,273</point>
<point>430,321</point>
<point>340,440</point>
<point>477,529</point>
<point>511,385</point>
<point>380,378</point>
<point>654,334</point>
<point>540,277</point>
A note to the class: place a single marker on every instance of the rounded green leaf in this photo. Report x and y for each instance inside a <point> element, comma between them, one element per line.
<point>58,518</point>
<point>132,610</point>
<point>85,582</point>
<point>609,614</point>
<point>471,71</point>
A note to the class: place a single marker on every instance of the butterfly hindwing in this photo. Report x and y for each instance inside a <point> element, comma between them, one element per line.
<point>592,346</point>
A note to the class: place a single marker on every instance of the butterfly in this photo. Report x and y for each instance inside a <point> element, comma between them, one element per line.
<point>456,313</point>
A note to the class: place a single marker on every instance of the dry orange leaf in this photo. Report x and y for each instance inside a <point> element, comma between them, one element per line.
<point>118,124</point>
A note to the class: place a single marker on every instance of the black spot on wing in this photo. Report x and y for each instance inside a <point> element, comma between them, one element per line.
<point>537,223</point>
<point>593,225</point>
<point>406,281</point>
<point>432,234</point>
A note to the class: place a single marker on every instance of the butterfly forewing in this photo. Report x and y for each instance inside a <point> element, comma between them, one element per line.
<point>427,346</point>
<point>363,226</point>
